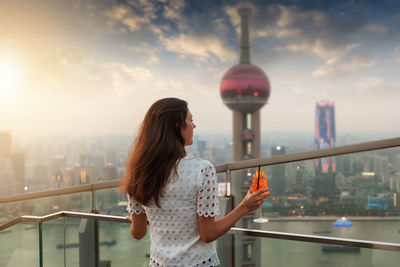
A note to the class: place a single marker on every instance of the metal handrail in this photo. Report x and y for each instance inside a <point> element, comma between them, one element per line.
<point>342,150</point>
<point>233,231</point>
<point>318,239</point>
<point>336,151</point>
<point>62,191</point>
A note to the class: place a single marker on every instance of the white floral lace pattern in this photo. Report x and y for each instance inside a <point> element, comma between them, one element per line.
<point>207,200</point>
<point>213,261</point>
<point>134,207</point>
<point>173,226</point>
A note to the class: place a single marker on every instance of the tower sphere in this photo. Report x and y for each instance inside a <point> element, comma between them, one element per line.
<point>245,88</point>
<point>245,8</point>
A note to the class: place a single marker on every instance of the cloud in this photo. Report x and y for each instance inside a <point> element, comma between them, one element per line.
<point>302,31</point>
<point>201,47</point>
<point>234,17</point>
<point>71,72</point>
<point>378,29</point>
<point>142,48</point>
<point>169,85</point>
<point>369,83</point>
<point>173,9</point>
<point>124,74</point>
<point>344,61</point>
<point>291,30</point>
<point>175,31</point>
<point>146,48</point>
<point>342,65</point>
<point>153,60</point>
<point>287,31</point>
<point>316,47</point>
<point>221,26</point>
<point>289,23</point>
<point>179,87</point>
<point>131,16</point>
<point>301,90</point>
<point>313,32</point>
<point>125,16</point>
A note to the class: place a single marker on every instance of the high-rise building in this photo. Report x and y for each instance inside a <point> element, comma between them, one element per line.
<point>6,175</point>
<point>41,175</point>
<point>112,157</point>
<point>325,137</point>
<point>110,173</point>
<point>16,183</point>
<point>277,185</point>
<point>5,143</point>
<point>245,89</point>
<point>84,175</point>
<point>18,165</point>
<point>201,147</point>
<point>299,175</point>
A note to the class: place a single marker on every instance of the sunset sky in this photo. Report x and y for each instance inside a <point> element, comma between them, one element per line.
<point>94,67</point>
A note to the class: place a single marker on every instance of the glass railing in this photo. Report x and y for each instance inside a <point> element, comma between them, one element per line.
<point>85,198</point>
<point>54,234</point>
<point>280,252</point>
<point>363,194</point>
<point>366,176</point>
<point>44,205</point>
<point>110,201</point>
<point>306,198</point>
<point>85,239</point>
<point>20,245</point>
<point>346,192</point>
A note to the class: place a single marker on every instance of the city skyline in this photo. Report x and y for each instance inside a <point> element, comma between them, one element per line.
<point>94,67</point>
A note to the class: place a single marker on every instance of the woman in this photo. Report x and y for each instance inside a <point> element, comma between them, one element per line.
<point>175,192</point>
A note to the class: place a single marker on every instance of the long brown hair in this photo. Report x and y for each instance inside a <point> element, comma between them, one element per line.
<point>158,148</point>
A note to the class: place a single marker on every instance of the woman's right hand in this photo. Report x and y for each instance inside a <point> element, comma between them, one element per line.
<point>209,229</point>
<point>253,201</point>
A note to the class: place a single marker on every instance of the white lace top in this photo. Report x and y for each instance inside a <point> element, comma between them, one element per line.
<point>174,231</point>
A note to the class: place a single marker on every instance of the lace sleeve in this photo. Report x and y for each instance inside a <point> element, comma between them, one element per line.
<point>134,207</point>
<point>207,200</point>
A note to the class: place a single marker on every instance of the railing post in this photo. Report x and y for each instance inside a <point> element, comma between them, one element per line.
<point>88,243</point>
<point>94,210</point>
<point>65,252</point>
<point>40,244</point>
<point>225,243</point>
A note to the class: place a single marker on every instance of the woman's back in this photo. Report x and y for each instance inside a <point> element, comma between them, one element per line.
<point>175,239</point>
<point>180,206</point>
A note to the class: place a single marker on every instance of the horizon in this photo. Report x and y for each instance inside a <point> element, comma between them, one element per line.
<point>266,137</point>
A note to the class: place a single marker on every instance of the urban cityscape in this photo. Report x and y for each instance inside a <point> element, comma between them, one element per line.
<point>361,184</point>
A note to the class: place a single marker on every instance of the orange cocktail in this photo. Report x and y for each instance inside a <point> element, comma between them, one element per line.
<point>259,182</point>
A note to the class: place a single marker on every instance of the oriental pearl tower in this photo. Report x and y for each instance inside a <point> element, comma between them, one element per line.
<point>245,89</point>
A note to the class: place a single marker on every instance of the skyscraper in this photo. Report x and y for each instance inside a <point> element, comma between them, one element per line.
<point>18,165</point>
<point>5,143</point>
<point>277,172</point>
<point>16,182</point>
<point>325,137</point>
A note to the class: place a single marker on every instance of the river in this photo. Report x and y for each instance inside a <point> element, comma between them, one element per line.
<point>19,245</point>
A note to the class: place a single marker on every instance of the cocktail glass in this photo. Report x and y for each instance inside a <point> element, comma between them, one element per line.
<point>259,183</point>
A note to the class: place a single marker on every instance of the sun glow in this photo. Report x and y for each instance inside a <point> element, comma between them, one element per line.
<point>10,75</point>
